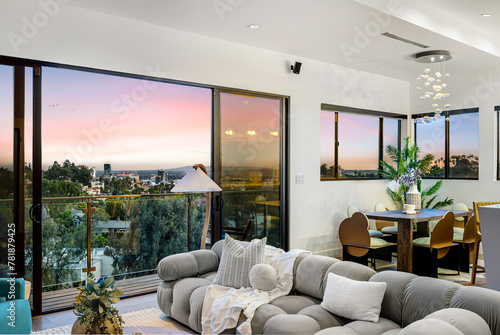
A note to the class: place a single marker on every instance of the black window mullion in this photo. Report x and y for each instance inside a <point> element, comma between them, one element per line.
<point>380,145</point>
<point>447,148</point>
<point>336,146</point>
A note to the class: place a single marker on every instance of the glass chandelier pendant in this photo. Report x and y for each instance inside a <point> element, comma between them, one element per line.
<point>432,83</point>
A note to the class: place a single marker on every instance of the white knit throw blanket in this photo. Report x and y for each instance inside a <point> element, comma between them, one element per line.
<point>222,305</point>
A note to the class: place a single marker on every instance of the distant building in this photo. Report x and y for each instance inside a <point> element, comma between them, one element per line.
<point>112,226</point>
<point>107,169</point>
<point>93,190</point>
<point>77,215</point>
<point>93,172</point>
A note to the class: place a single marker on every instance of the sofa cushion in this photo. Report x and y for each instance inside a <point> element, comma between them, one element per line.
<point>480,301</point>
<point>466,321</point>
<point>181,297</point>
<point>350,270</point>
<point>425,295</point>
<point>356,300</point>
<point>236,262</point>
<point>177,266</point>
<point>187,264</point>
<point>392,305</point>
<point>324,318</point>
<point>337,331</point>
<point>430,327</point>
<point>292,304</point>
<point>196,306</point>
<point>291,324</point>
<point>392,332</point>
<point>309,275</point>
<point>373,328</point>
<point>262,315</point>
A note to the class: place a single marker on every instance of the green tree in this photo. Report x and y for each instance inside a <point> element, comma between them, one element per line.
<point>407,159</point>
<point>100,241</point>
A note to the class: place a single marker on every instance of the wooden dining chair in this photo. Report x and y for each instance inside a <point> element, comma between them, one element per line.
<point>387,227</point>
<point>468,241</point>
<point>357,244</point>
<point>373,233</point>
<point>477,238</point>
<point>459,225</point>
<point>427,251</point>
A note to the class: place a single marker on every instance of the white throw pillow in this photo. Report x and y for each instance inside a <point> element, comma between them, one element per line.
<point>263,277</point>
<point>236,262</point>
<point>352,299</point>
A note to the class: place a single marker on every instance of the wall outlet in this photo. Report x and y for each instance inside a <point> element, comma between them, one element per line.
<point>299,179</point>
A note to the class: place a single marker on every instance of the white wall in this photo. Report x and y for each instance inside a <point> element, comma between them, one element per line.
<point>80,37</point>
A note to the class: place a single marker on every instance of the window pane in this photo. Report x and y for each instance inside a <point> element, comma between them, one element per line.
<point>6,163</point>
<point>327,156</point>
<point>431,140</point>
<point>250,162</point>
<point>112,135</point>
<point>464,145</point>
<point>358,146</point>
<point>391,137</point>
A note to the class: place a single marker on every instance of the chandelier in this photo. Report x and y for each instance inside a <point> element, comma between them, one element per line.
<point>432,83</point>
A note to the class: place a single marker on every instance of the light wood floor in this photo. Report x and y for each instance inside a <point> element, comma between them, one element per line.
<point>59,319</point>
<point>62,299</point>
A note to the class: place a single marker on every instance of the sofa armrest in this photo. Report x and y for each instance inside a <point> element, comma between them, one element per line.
<point>187,264</point>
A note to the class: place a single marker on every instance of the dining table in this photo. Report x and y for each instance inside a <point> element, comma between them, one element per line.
<point>405,229</point>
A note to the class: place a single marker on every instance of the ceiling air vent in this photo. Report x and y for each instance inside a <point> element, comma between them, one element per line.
<point>399,38</point>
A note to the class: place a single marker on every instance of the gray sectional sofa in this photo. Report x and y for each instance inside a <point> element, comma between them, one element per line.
<point>411,304</point>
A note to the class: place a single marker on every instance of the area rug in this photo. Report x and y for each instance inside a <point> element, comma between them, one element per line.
<point>148,321</point>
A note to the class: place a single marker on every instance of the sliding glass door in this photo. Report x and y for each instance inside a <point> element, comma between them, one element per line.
<point>251,130</point>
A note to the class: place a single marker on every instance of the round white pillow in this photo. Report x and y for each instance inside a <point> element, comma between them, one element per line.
<point>263,277</point>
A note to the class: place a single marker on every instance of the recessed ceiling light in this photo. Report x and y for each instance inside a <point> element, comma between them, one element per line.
<point>486,15</point>
<point>253,26</point>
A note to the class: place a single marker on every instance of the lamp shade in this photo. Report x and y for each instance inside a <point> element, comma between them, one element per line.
<point>196,181</point>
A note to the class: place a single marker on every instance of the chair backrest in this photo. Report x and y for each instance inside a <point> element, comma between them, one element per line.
<point>353,231</point>
<point>379,207</point>
<point>351,210</point>
<point>379,224</point>
<point>459,221</point>
<point>470,232</point>
<point>442,234</point>
<point>477,204</point>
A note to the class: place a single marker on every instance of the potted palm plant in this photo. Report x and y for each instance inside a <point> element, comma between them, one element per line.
<point>94,310</point>
<point>407,170</point>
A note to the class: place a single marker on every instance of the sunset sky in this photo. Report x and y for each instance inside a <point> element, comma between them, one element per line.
<point>93,119</point>
<point>358,140</point>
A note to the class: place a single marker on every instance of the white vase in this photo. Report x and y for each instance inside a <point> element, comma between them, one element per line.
<point>414,197</point>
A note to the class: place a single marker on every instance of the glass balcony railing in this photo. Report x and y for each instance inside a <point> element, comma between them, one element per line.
<point>129,235</point>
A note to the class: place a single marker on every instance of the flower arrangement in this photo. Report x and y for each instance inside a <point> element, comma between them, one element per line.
<point>94,310</point>
<point>409,178</point>
<point>407,170</point>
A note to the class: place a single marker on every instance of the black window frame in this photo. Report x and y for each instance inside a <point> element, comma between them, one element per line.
<point>497,110</point>
<point>367,112</point>
<point>447,139</point>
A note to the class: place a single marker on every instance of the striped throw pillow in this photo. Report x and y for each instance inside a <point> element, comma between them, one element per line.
<point>237,260</point>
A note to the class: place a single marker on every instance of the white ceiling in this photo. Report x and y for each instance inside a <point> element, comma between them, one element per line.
<point>321,29</point>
